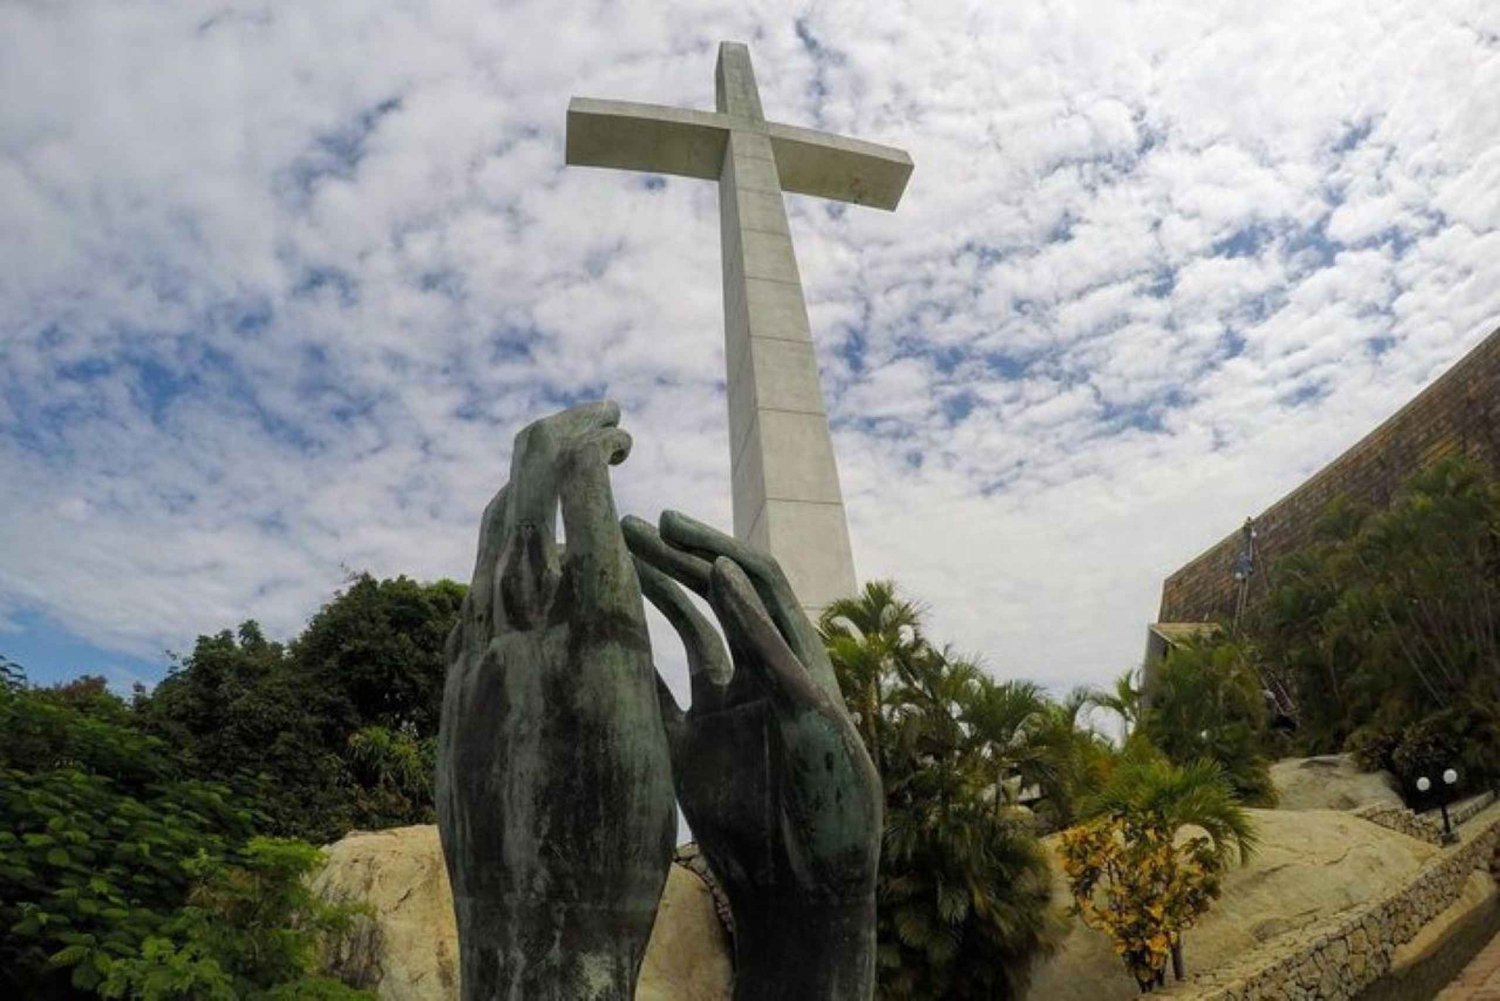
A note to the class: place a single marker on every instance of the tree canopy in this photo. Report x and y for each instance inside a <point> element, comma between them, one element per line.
<point>964,886</point>
<point>330,732</point>
<point>1387,629</point>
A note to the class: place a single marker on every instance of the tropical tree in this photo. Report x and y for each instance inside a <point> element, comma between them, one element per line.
<point>1083,758</point>
<point>1208,702</point>
<point>239,712</point>
<point>1148,861</point>
<point>1123,699</point>
<point>1387,629</point>
<point>377,650</point>
<point>123,875</point>
<point>327,733</point>
<point>1037,749</point>
<point>393,773</point>
<point>869,639</point>
<point>964,886</point>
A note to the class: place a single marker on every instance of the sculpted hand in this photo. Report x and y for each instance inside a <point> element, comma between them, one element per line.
<point>769,769</point>
<point>554,792</point>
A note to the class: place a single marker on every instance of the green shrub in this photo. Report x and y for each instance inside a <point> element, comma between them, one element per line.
<point>1387,629</point>
<point>122,877</point>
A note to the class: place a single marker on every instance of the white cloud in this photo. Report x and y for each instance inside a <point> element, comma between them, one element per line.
<point>281,281</point>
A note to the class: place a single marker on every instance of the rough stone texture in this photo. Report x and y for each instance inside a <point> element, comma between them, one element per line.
<point>1458,413</point>
<point>1337,957</point>
<point>1311,866</point>
<point>1479,892</point>
<point>1402,820</point>
<point>1330,782</point>
<point>785,480</point>
<point>408,949</point>
<point>1461,812</point>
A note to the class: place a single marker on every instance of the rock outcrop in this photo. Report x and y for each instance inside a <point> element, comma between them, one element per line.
<point>1313,862</point>
<point>1330,782</point>
<point>407,948</point>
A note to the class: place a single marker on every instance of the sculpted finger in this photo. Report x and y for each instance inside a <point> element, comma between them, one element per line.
<point>745,619</point>
<point>683,532</point>
<point>587,416</point>
<point>478,602</point>
<point>646,545</point>
<point>709,668</point>
<point>672,717</point>
<point>612,443</point>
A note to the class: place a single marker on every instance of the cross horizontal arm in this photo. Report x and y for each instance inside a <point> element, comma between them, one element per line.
<point>830,166</point>
<point>649,137</point>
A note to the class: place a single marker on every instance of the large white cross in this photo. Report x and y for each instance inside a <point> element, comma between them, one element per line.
<point>786,485</point>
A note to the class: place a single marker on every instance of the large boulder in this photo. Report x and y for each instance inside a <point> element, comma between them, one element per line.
<point>1309,865</point>
<point>1330,782</point>
<point>407,948</point>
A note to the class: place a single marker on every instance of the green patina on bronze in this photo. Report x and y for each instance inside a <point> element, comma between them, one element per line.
<point>553,790</point>
<point>559,748</point>
<point>770,772</point>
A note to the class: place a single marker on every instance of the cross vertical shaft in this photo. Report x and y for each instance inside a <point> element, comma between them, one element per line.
<point>786,486</point>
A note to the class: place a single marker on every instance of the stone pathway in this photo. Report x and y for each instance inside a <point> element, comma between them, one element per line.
<point>1480,980</point>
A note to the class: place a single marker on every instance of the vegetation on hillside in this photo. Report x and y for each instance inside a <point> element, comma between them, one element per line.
<point>1387,630</point>
<point>333,732</point>
<point>124,876</point>
<point>964,884</point>
<point>158,847</point>
<point>1208,703</point>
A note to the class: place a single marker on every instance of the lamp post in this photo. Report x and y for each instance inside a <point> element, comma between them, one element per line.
<point>1450,780</point>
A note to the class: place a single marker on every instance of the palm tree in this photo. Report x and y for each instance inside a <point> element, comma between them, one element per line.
<point>1081,757</point>
<point>871,638</point>
<point>1124,700</point>
<point>1208,701</point>
<point>964,897</point>
<point>964,889</point>
<point>1147,788</point>
<point>1009,724</point>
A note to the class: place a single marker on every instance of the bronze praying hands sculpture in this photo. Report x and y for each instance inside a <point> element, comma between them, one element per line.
<point>560,747</point>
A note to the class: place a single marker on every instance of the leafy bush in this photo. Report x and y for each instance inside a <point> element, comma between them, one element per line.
<point>1208,702</point>
<point>122,877</point>
<point>326,734</point>
<point>1132,873</point>
<point>1387,629</point>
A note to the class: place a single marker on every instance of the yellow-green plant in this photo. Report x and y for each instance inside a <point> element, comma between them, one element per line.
<point>1139,888</point>
<point>1149,862</point>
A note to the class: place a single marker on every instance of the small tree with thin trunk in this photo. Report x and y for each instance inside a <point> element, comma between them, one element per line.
<point>1149,861</point>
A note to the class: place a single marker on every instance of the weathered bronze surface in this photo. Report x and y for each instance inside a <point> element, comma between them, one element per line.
<point>769,770</point>
<point>553,789</point>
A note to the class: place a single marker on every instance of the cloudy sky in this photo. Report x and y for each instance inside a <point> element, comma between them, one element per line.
<point>279,281</point>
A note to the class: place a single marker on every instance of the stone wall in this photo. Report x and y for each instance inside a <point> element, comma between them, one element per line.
<point>1338,958</point>
<point>1399,818</point>
<point>1460,412</point>
<point>1463,812</point>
